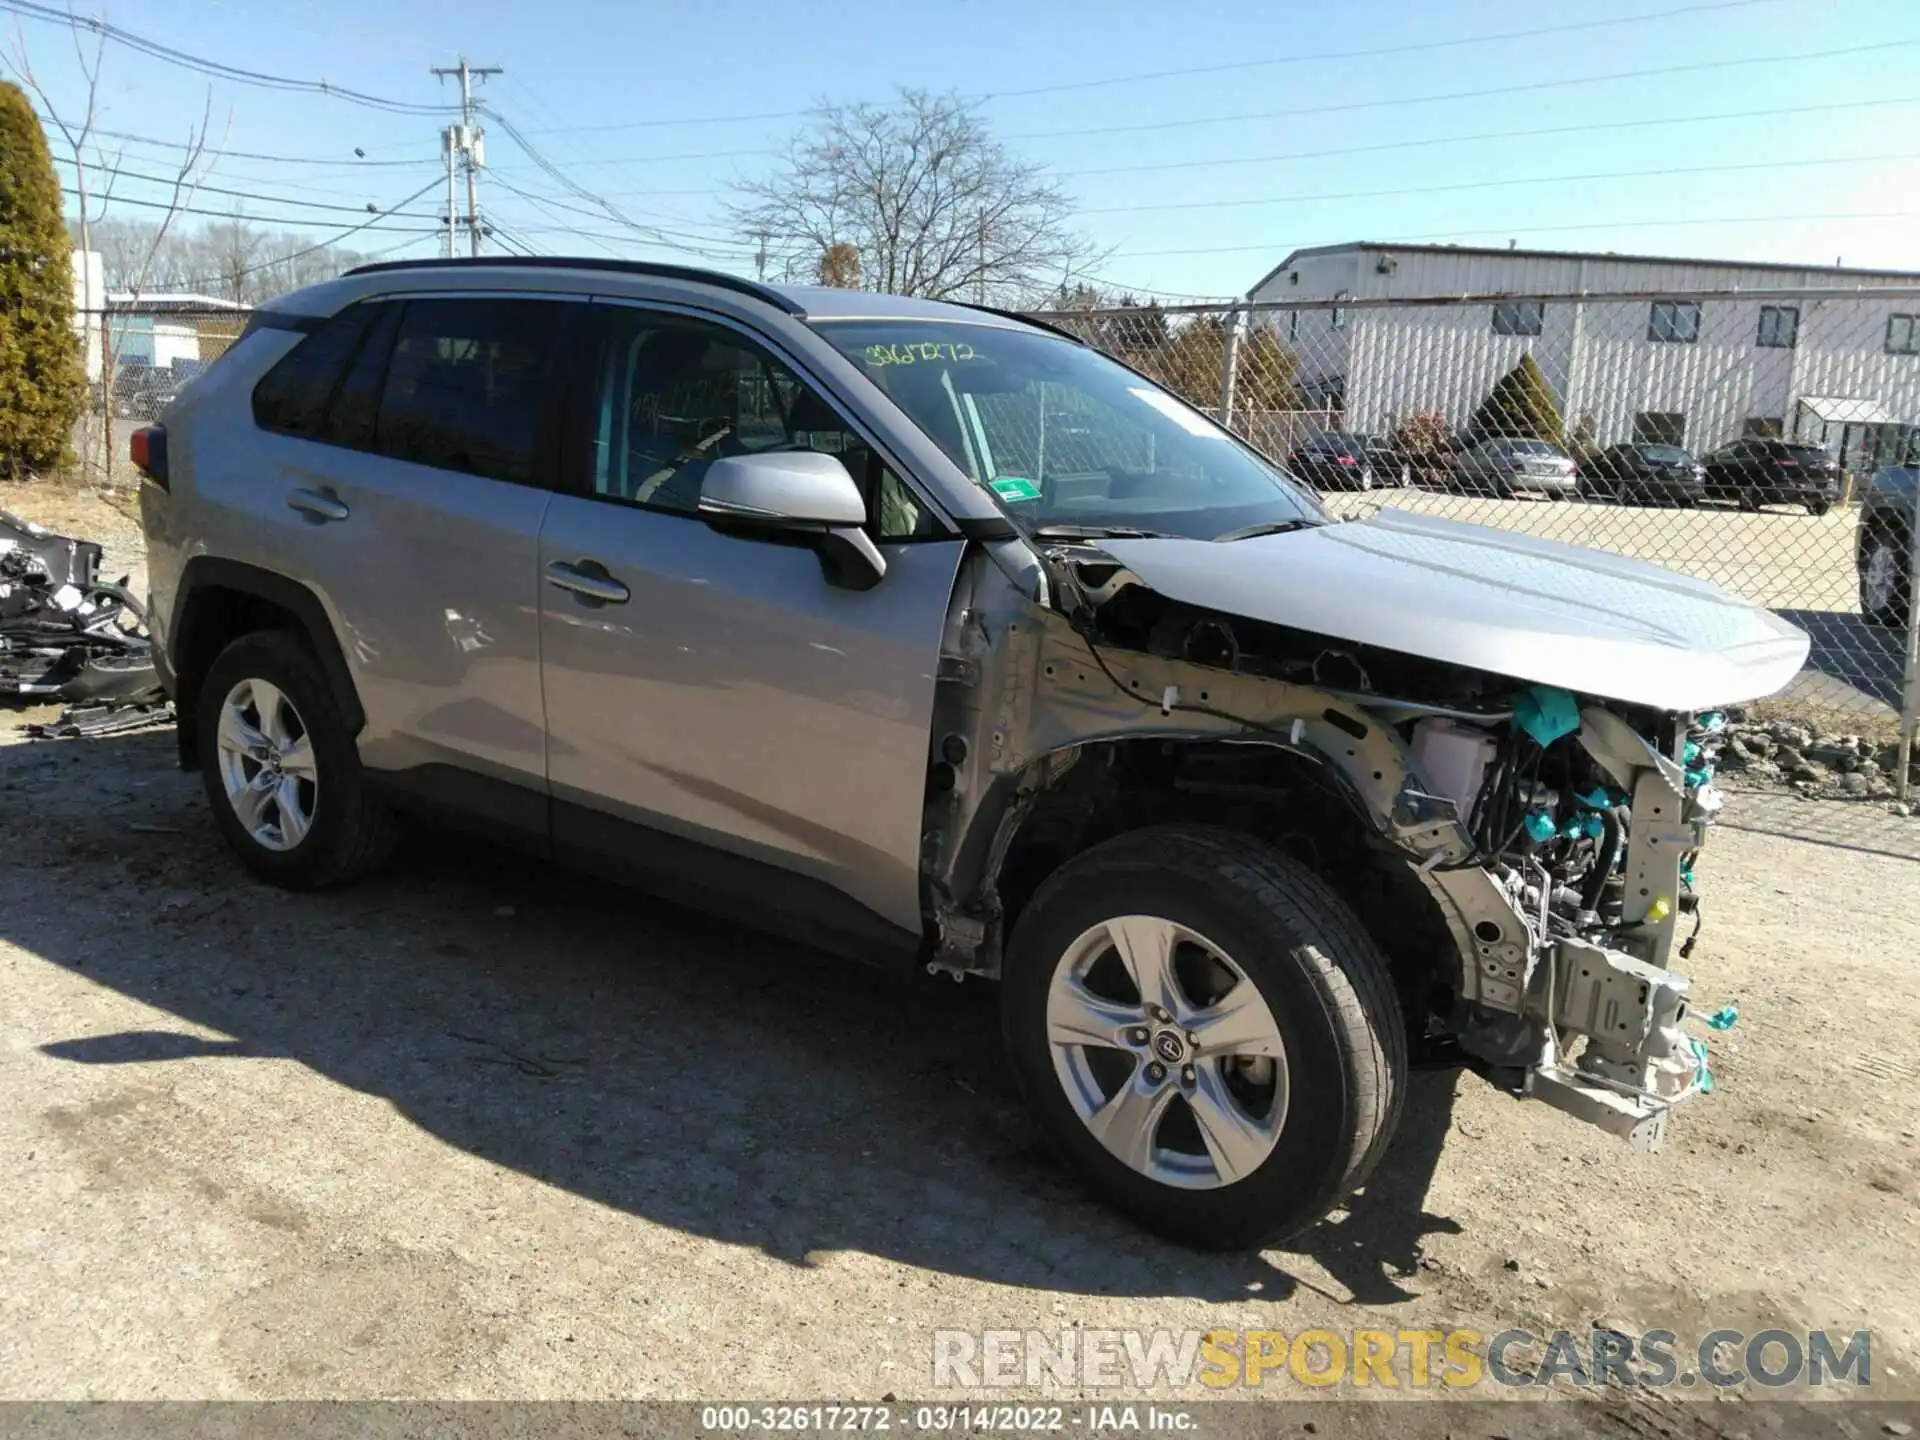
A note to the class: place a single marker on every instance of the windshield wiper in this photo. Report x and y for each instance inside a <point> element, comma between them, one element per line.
<point>1270,527</point>
<point>1098,532</point>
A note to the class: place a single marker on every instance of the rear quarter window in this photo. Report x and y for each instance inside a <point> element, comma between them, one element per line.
<point>292,397</point>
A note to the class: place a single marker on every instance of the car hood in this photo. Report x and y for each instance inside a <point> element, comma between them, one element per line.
<point>1514,605</point>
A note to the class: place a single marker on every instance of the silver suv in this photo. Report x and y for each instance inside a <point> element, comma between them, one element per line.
<point>932,636</point>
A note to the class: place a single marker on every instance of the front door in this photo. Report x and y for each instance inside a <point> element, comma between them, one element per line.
<point>716,709</point>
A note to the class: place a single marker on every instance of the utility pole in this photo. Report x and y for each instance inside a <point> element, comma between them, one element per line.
<point>471,141</point>
<point>980,274</point>
<point>450,138</point>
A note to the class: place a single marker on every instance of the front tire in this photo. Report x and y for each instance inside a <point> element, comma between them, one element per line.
<point>280,767</point>
<point>1208,1033</point>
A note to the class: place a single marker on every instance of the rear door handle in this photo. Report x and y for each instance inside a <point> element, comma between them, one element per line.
<point>589,580</point>
<point>318,504</point>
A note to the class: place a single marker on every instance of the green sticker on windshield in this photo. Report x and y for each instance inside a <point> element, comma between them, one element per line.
<point>1012,487</point>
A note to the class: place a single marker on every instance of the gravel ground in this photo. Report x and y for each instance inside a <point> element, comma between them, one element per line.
<point>477,1128</point>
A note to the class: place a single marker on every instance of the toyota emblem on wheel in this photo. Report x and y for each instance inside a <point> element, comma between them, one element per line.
<point>1170,1047</point>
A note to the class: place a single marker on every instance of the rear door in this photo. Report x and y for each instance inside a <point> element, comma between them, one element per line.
<point>407,493</point>
<point>721,714</point>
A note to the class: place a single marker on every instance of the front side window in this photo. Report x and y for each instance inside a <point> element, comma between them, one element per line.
<point>676,394</point>
<point>1675,321</point>
<point>1779,327</point>
<point>466,385</point>
<point>1519,317</point>
<point>1061,435</point>
<point>1903,334</point>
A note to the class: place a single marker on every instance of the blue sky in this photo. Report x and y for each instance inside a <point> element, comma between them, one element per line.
<point>658,107</point>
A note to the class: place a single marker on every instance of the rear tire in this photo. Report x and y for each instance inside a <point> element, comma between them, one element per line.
<point>311,821</point>
<point>1320,981</point>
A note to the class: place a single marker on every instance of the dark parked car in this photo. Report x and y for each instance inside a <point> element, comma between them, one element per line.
<point>133,385</point>
<point>1883,553</point>
<point>1384,457</point>
<point>1764,471</point>
<point>1500,467</point>
<point>1333,460</point>
<point>142,390</point>
<point>1644,474</point>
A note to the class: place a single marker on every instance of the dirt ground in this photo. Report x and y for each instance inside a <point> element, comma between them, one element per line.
<point>477,1128</point>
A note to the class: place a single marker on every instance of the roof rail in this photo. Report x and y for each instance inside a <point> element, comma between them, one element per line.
<point>561,262</point>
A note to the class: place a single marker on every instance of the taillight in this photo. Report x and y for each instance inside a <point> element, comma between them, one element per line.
<point>148,451</point>
<point>1343,460</point>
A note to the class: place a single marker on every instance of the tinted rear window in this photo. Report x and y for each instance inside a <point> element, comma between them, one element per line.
<point>466,385</point>
<point>1666,453</point>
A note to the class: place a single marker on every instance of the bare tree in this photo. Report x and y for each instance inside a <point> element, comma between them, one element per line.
<point>235,247</point>
<point>90,162</point>
<point>928,200</point>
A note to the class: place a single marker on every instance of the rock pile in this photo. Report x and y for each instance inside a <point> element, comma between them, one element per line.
<point>1789,755</point>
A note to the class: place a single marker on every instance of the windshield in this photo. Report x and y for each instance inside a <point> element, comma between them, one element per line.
<point>1670,454</point>
<point>1530,447</point>
<point>1062,436</point>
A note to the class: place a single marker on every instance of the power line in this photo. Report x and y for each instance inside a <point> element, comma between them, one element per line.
<point>218,69</point>
<point>1396,101</point>
<point>1522,133</point>
<point>224,214</point>
<point>326,244</point>
<point>600,215</point>
<point>654,233</point>
<point>114,173</point>
<point>1298,58</point>
<point>1558,179</point>
<point>1378,51</point>
<point>155,140</point>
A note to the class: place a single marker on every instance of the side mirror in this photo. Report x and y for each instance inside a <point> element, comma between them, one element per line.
<point>800,496</point>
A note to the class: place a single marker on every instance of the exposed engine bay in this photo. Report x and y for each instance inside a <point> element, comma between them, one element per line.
<point>1526,852</point>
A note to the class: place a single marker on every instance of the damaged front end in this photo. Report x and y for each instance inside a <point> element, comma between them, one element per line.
<point>1523,852</point>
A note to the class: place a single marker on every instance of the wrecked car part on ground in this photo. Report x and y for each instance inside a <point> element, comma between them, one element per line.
<point>64,633</point>
<point>1524,853</point>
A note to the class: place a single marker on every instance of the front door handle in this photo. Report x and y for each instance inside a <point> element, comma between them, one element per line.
<point>317,504</point>
<point>589,580</point>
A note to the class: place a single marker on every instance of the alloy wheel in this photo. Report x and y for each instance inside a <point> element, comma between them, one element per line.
<point>1880,579</point>
<point>1167,1052</point>
<point>267,765</point>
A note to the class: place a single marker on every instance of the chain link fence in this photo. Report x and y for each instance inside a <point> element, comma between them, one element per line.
<point>137,357</point>
<point>1756,439</point>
